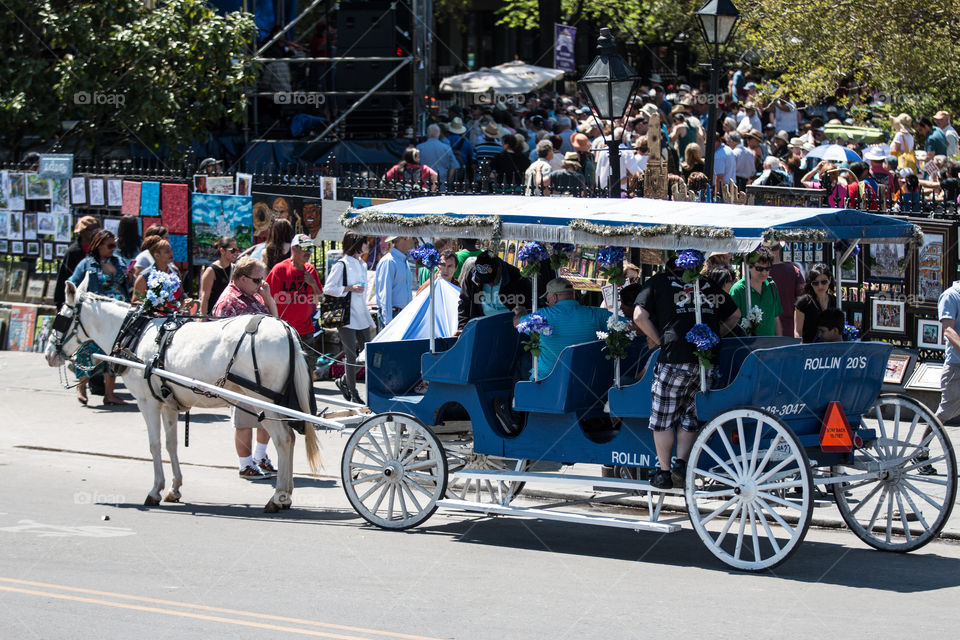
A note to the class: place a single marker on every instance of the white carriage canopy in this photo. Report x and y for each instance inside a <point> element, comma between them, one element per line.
<point>636,222</point>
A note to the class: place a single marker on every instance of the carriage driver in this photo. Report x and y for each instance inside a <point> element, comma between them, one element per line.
<point>665,312</point>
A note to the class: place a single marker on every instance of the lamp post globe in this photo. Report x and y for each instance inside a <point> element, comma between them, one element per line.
<point>609,83</point>
<point>718,19</point>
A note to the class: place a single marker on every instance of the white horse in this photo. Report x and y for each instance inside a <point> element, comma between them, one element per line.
<point>198,350</point>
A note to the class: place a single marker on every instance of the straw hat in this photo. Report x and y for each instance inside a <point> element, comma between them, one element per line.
<point>491,131</point>
<point>796,143</point>
<point>650,109</point>
<point>572,159</point>
<point>903,122</point>
<point>456,126</point>
<point>580,142</point>
<point>679,108</point>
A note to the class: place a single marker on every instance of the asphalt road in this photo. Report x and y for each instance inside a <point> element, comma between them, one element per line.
<point>81,558</point>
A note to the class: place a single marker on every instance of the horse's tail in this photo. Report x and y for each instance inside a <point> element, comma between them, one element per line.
<point>304,385</point>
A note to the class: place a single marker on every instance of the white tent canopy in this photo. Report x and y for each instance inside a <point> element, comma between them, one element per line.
<point>510,77</point>
<point>636,222</point>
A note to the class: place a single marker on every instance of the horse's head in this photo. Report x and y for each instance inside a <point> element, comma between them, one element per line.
<point>67,332</point>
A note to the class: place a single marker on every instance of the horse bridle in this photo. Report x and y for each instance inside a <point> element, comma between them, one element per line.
<point>66,325</point>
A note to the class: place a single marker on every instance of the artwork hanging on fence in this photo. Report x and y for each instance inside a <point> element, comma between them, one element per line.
<point>4,247</point>
<point>111,224</point>
<point>60,196</point>
<point>214,216</point>
<point>174,207</point>
<point>46,224</point>
<point>42,332</point>
<point>62,250</point>
<point>929,274</point>
<point>35,284</point>
<point>37,188</point>
<point>48,252</point>
<point>64,227</point>
<point>329,188</point>
<point>220,185</point>
<point>131,198</point>
<point>149,198</point>
<point>78,190</point>
<point>244,181</point>
<point>15,191</point>
<point>114,192</point>
<point>888,316</point>
<point>97,195</point>
<point>33,248</point>
<point>15,225</point>
<point>268,206</point>
<point>16,279</point>
<point>885,263</point>
<point>4,224</point>
<point>29,226</point>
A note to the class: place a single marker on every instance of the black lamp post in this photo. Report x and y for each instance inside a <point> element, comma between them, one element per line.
<point>610,83</point>
<point>718,19</point>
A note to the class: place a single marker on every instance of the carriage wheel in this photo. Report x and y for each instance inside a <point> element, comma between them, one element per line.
<point>394,470</point>
<point>748,465</point>
<point>476,490</point>
<point>907,499</point>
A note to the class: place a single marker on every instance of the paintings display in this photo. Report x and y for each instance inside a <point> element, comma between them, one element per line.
<point>114,192</point>
<point>329,188</point>
<point>930,335</point>
<point>29,226</point>
<point>896,368</point>
<point>244,184</point>
<point>37,188</point>
<point>97,196</point>
<point>59,196</point>
<point>23,319</point>
<point>16,279</point>
<point>15,226</point>
<point>885,263</point>
<point>214,216</point>
<point>78,190</point>
<point>64,227</point>
<point>303,214</point>
<point>220,185</point>
<point>46,224</point>
<point>14,188</point>
<point>888,316</point>
<point>930,267</point>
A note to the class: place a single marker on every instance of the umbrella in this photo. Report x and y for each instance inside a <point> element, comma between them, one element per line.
<point>867,135</point>
<point>834,153</point>
<point>541,76</point>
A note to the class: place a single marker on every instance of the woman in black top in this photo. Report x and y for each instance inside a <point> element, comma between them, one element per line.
<point>216,277</point>
<point>818,296</point>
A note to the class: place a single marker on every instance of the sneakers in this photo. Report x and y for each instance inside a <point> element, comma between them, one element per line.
<point>678,474</point>
<point>505,416</point>
<point>661,480</point>
<point>266,467</point>
<point>341,383</point>
<point>926,469</point>
<point>251,473</point>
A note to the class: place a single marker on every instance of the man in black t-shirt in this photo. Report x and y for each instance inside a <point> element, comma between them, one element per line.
<point>665,311</point>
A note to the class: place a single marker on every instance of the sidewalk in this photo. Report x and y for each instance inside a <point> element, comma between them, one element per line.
<point>40,414</point>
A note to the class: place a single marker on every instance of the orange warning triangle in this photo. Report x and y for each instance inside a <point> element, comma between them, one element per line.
<point>835,434</point>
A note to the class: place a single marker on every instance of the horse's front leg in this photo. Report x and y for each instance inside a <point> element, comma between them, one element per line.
<point>169,415</point>
<point>283,440</point>
<point>151,415</point>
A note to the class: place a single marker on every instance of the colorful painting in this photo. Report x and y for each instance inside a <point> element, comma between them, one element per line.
<point>37,188</point>
<point>131,198</point>
<point>885,263</point>
<point>888,316</point>
<point>64,227</point>
<point>15,188</point>
<point>220,185</point>
<point>930,263</point>
<point>29,226</point>
<point>150,198</point>
<point>214,216</point>
<point>174,207</point>
<point>60,196</point>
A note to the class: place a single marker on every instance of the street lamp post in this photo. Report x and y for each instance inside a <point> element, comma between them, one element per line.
<point>610,83</point>
<point>718,19</point>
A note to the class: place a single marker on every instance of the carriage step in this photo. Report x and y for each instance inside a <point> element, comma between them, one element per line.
<point>563,516</point>
<point>615,484</point>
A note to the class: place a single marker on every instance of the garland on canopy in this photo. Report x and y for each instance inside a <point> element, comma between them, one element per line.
<point>653,231</point>
<point>431,220</point>
<point>794,235</point>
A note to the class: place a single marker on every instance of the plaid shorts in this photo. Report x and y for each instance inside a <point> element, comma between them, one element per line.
<point>674,392</point>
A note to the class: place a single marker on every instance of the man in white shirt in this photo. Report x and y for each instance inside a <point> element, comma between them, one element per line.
<point>784,116</point>
<point>942,120</point>
<point>746,166</point>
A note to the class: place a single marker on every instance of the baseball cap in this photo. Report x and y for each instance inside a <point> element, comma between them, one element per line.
<point>485,268</point>
<point>559,285</point>
<point>303,241</point>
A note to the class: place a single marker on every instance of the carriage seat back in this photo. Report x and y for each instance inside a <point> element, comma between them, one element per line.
<point>393,368</point>
<point>487,349</point>
<point>733,351</point>
<point>580,379</point>
<point>797,382</point>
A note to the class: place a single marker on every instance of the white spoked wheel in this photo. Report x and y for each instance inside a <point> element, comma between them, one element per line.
<point>475,489</point>
<point>749,466</point>
<point>911,478</point>
<point>394,470</point>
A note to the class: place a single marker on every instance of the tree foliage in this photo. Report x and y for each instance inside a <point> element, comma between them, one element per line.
<point>906,52</point>
<point>125,72</point>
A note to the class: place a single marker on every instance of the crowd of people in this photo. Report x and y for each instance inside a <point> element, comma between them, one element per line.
<point>554,144</point>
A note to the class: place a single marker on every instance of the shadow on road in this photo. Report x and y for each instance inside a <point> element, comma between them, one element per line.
<point>305,514</point>
<point>814,561</point>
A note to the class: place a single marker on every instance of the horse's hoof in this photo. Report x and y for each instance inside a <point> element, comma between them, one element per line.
<point>172,497</point>
<point>271,507</point>
<point>151,502</point>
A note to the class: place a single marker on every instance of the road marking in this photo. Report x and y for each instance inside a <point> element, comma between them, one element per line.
<point>198,616</point>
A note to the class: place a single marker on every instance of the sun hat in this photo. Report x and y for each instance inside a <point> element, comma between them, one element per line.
<point>874,153</point>
<point>491,131</point>
<point>783,135</point>
<point>650,109</point>
<point>572,159</point>
<point>580,142</point>
<point>796,143</point>
<point>456,126</point>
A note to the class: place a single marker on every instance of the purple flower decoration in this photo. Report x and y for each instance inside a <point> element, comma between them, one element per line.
<point>690,259</point>
<point>611,257</point>
<point>427,255</point>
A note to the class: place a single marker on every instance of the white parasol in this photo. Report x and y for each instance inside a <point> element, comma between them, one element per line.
<point>510,77</point>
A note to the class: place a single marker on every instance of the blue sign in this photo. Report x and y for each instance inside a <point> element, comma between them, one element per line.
<point>58,166</point>
<point>563,48</point>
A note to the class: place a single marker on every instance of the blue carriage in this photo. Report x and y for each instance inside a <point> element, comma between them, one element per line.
<point>786,427</point>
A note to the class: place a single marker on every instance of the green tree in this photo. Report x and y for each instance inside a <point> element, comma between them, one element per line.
<point>124,72</point>
<point>907,51</point>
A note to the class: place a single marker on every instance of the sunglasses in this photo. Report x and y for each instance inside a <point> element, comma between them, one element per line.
<point>234,250</point>
<point>821,283</point>
<point>256,281</point>
<point>761,269</point>
<point>112,246</point>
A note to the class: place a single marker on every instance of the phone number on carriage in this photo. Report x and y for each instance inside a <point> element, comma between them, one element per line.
<point>786,409</point>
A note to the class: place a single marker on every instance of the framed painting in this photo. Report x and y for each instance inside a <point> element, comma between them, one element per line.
<point>930,335</point>
<point>888,316</point>
<point>885,263</point>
